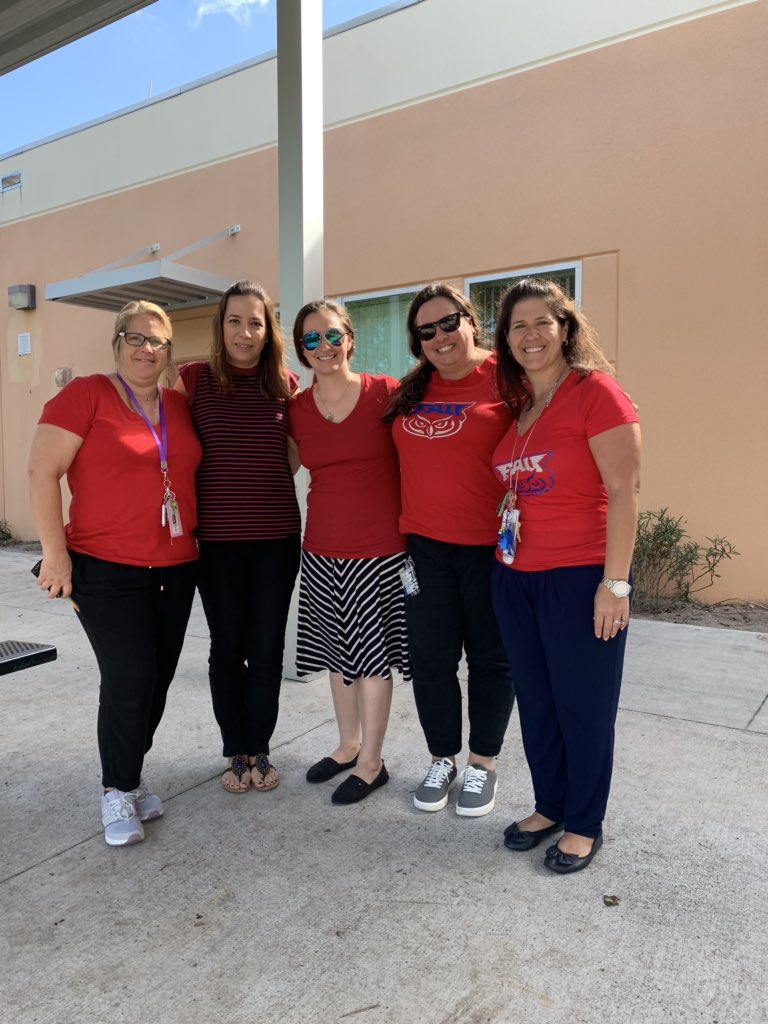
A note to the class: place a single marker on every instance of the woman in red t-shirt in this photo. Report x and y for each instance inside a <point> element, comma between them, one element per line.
<point>571,463</point>
<point>128,555</point>
<point>351,615</point>
<point>447,419</point>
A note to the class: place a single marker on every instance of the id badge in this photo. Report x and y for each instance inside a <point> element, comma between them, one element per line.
<point>408,578</point>
<point>509,534</point>
<point>173,517</point>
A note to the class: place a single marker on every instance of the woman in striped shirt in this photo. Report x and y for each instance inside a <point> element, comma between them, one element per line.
<point>249,524</point>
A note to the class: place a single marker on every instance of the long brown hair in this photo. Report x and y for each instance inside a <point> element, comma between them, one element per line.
<point>581,350</point>
<point>274,375</point>
<point>414,384</point>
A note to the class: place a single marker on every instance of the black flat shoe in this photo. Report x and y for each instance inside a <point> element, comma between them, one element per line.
<point>327,768</point>
<point>566,863</point>
<point>519,841</point>
<point>353,788</point>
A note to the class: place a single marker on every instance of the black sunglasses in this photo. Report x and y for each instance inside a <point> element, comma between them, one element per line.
<point>447,324</point>
<point>312,339</point>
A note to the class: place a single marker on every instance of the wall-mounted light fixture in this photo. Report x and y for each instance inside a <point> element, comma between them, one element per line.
<point>10,180</point>
<point>21,296</point>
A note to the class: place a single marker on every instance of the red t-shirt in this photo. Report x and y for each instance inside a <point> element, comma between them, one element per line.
<point>560,493</point>
<point>449,489</point>
<point>354,492</point>
<point>115,478</point>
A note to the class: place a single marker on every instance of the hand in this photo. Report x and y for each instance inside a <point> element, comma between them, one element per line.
<point>56,575</point>
<point>611,613</point>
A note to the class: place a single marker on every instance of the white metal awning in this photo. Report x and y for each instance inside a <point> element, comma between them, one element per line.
<point>171,285</point>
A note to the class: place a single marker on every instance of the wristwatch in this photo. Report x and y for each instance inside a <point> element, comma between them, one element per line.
<point>619,588</point>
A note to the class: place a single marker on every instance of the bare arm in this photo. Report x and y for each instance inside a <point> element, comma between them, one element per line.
<point>293,456</point>
<point>53,452</point>
<point>617,454</point>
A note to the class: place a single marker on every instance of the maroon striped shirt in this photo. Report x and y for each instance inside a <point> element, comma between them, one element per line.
<point>245,487</point>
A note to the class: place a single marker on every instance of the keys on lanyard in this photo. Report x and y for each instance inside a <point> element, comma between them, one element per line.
<point>169,510</point>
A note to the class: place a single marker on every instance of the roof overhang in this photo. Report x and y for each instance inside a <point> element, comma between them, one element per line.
<point>171,285</point>
<point>31,28</point>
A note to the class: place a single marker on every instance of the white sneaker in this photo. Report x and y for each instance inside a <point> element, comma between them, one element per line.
<point>148,805</point>
<point>118,816</point>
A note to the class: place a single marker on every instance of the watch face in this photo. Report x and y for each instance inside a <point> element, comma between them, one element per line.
<point>621,589</point>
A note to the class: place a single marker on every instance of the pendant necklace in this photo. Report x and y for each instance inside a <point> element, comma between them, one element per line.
<point>509,531</point>
<point>329,415</point>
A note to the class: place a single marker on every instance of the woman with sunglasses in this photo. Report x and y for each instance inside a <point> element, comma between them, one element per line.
<point>127,558</point>
<point>250,526</point>
<point>351,615</point>
<point>447,420</point>
<point>561,584</point>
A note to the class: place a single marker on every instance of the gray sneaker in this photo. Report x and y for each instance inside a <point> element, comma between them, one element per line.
<point>432,794</point>
<point>149,806</point>
<point>121,822</point>
<point>478,791</point>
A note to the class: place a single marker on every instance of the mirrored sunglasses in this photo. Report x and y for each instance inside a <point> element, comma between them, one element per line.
<point>447,324</point>
<point>312,339</point>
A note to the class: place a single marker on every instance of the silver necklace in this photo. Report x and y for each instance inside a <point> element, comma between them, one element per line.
<point>329,413</point>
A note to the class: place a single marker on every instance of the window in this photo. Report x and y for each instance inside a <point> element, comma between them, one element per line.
<point>485,292</point>
<point>380,334</point>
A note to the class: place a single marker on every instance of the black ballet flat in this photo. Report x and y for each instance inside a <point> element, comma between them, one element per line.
<point>566,863</point>
<point>519,841</point>
<point>325,769</point>
<point>354,789</point>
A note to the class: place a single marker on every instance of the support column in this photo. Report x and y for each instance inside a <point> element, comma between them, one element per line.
<point>300,164</point>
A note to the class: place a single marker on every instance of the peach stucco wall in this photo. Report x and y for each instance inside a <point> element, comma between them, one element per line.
<point>646,160</point>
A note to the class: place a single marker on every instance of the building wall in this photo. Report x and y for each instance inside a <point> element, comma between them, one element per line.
<point>642,154</point>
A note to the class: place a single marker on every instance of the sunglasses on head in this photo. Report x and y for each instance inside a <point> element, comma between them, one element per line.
<point>447,324</point>
<point>311,340</point>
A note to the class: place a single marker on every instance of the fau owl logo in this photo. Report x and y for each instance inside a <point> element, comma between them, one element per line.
<point>437,419</point>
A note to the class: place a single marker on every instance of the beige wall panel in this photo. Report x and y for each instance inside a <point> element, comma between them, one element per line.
<point>646,160</point>
<point>600,286</point>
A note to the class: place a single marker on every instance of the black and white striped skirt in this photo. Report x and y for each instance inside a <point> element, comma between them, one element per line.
<point>352,617</point>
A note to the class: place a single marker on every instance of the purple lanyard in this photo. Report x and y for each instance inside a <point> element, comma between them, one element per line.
<point>162,444</point>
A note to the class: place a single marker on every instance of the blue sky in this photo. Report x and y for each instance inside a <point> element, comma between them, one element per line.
<point>168,44</point>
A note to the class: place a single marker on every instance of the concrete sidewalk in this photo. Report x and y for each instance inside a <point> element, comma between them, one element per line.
<point>280,907</point>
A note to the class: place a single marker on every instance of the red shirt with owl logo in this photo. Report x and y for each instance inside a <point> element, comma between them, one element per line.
<point>449,490</point>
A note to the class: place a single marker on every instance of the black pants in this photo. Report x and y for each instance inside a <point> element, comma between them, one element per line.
<point>135,619</point>
<point>246,588</point>
<point>453,611</point>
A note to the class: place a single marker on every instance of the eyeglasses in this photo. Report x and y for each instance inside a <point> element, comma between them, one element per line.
<point>312,339</point>
<point>137,340</point>
<point>447,324</point>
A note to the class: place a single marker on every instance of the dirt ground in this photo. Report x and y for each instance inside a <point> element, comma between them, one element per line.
<point>728,615</point>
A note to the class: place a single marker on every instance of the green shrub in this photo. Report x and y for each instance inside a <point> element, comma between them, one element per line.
<point>668,565</point>
<point>6,537</point>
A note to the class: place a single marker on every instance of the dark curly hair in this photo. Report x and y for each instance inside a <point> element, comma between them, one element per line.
<point>414,384</point>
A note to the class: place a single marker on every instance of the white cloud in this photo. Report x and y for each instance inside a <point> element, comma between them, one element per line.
<point>240,10</point>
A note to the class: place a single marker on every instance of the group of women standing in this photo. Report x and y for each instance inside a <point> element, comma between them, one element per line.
<point>407,483</point>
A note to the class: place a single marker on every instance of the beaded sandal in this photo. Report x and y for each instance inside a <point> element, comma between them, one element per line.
<point>239,767</point>
<point>260,769</point>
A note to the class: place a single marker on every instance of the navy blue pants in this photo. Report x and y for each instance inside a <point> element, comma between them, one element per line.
<point>453,611</point>
<point>567,684</point>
